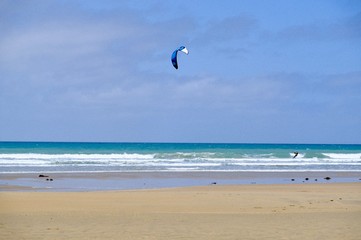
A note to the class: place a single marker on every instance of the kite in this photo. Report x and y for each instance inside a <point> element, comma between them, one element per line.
<point>174,55</point>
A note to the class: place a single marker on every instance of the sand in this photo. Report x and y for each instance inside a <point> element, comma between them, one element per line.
<point>285,211</point>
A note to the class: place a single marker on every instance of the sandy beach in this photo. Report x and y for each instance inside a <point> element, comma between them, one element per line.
<point>276,211</point>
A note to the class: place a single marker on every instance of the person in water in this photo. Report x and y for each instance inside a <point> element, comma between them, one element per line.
<point>296,154</point>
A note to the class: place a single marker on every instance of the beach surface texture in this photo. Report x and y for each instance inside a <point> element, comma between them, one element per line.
<point>272,211</point>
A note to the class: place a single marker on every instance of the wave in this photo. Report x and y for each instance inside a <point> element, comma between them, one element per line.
<point>354,156</point>
<point>176,161</point>
<point>36,158</point>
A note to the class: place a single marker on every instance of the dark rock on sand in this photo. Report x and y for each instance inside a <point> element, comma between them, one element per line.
<point>327,178</point>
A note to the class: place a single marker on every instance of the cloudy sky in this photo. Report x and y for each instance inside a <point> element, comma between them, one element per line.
<point>284,71</point>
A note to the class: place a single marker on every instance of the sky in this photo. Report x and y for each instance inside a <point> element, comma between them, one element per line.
<point>258,71</point>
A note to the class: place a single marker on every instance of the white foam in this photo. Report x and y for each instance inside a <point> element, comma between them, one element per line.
<point>178,161</point>
<point>354,156</point>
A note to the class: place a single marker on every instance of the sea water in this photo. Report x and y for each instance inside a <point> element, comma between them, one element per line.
<point>37,157</point>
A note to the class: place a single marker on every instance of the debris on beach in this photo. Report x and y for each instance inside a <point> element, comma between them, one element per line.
<point>45,176</point>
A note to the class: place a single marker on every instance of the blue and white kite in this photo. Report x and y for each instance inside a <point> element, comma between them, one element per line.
<point>174,55</point>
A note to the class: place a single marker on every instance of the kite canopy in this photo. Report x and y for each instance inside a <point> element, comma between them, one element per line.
<point>174,55</point>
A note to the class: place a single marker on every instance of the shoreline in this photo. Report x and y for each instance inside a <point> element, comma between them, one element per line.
<point>110,181</point>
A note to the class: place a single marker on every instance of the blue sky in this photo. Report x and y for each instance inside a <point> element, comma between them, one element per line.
<point>257,72</point>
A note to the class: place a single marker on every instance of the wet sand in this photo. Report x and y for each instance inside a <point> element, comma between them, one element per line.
<point>271,211</point>
<point>154,180</point>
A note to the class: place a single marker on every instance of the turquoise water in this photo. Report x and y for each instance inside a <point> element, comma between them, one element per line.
<point>127,157</point>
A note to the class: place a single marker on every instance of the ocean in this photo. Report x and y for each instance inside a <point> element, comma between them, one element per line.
<point>68,157</point>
